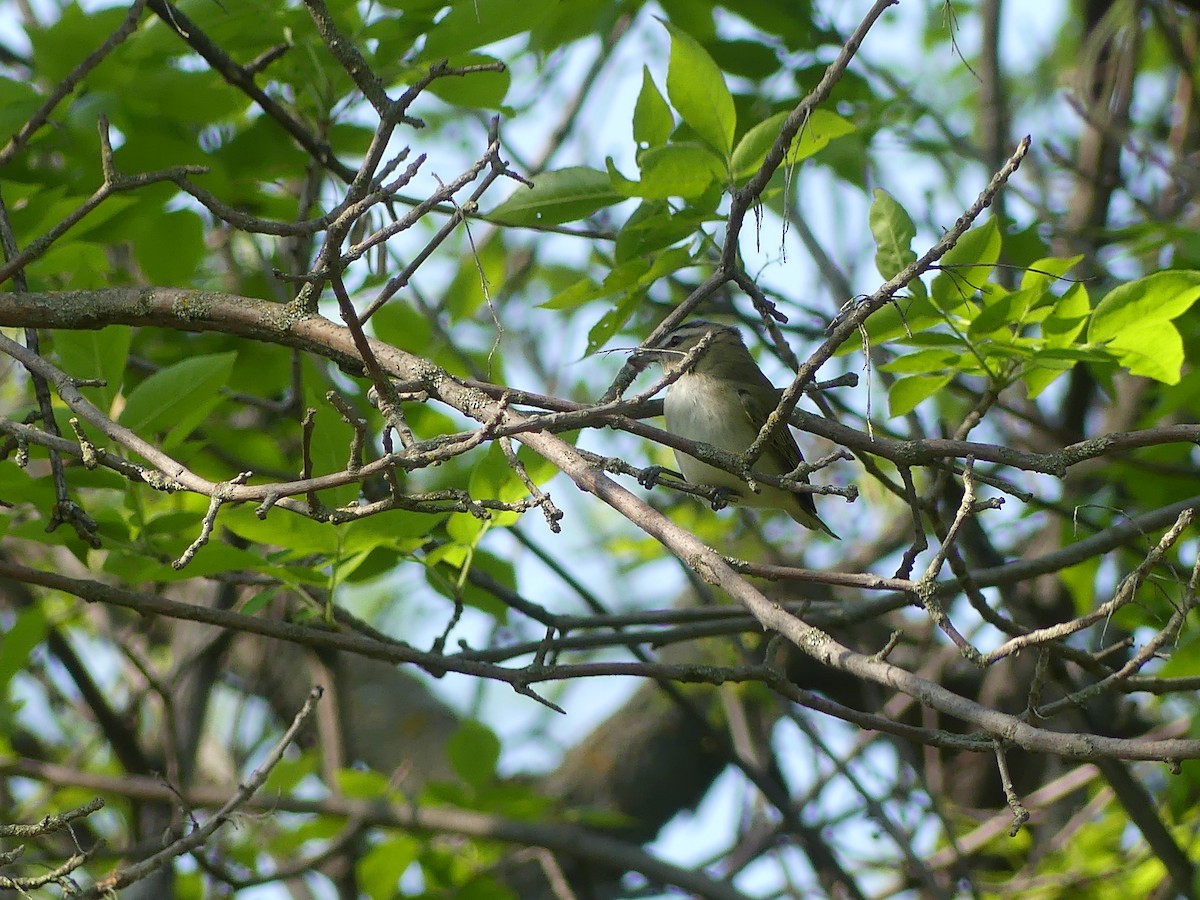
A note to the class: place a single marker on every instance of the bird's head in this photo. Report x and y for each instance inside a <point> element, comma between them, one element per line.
<point>722,347</point>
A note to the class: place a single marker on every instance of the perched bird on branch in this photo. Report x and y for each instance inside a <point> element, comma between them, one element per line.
<point>724,399</point>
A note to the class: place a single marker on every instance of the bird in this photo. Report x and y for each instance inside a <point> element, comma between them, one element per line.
<point>724,399</point>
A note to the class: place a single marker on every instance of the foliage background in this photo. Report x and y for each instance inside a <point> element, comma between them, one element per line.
<point>194,194</point>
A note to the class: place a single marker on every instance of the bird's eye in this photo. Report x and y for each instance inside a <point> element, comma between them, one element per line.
<point>675,340</point>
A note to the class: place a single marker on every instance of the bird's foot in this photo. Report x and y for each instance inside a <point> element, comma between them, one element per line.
<point>651,475</point>
<point>721,497</point>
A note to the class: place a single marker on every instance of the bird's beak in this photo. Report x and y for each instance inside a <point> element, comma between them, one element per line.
<point>643,358</point>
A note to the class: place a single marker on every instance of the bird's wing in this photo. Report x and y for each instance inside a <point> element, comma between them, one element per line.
<point>782,447</point>
<point>782,444</point>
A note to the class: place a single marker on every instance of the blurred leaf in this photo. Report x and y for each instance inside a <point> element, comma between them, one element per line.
<point>466,529</point>
<point>476,90</point>
<point>171,248</point>
<point>17,643</point>
<point>18,100</point>
<point>474,751</point>
<point>402,325</point>
<point>1042,274</point>
<point>639,272</point>
<point>477,23</point>
<point>482,266</point>
<point>64,43</point>
<point>745,58</point>
<point>287,774</point>
<point>215,558</point>
<point>379,869</point>
<point>363,784</point>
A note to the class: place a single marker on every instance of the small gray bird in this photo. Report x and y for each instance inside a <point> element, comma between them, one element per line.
<point>724,399</point>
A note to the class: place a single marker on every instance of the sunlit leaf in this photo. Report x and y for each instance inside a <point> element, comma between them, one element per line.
<point>562,195</point>
<point>698,91</point>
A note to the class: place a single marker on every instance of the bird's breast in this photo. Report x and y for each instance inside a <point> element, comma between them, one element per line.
<point>702,408</point>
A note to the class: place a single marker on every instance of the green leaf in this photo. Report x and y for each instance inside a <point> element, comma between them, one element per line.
<point>18,642</point>
<point>81,265</point>
<point>967,265</point>
<point>179,397</point>
<point>1043,374</point>
<point>923,362</point>
<point>1069,316</point>
<point>907,319</point>
<point>63,44</point>
<point>473,751</point>
<point>653,226</point>
<point>1184,659</point>
<point>614,320</point>
<point>487,264</point>
<point>363,784</point>
<point>582,291</point>
<point>563,195</point>
<point>652,119</point>
<point>171,248</point>
<point>302,537</point>
<point>18,100</point>
<point>403,326</point>
<point>466,530</point>
<point>907,393</point>
<point>699,93</point>
<point>1047,365</point>
<point>1152,349</point>
<point>1043,273</point>
<point>752,149</point>
<point>821,128</point>
<point>1134,323</point>
<point>494,478</point>
<point>287,774</point>
<point>1080,582</point>
<point>481,22</point>
<point>673,170</point>
<point>638,272</point>
<point>620,278</point>
<point>379,870</point>
<point>214,559</point>
<point>1160,297</point>
<point>476,90</point>
<point>1003,310</point>
<point>753,59</point>
<point>395,528</point>
<point>95,354</point>
<point>893,230</point>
